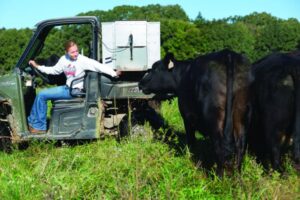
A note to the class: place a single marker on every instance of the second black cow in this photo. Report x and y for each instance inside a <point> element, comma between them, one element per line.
<point>276,107</point>
<point>212,93</point>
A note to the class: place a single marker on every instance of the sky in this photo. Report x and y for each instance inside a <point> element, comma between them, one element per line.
<point>26,13</point>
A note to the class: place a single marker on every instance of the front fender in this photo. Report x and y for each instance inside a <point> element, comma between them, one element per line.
<point>11,94</point>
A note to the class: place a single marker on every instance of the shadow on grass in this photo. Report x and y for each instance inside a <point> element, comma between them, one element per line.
<point>202,154</point>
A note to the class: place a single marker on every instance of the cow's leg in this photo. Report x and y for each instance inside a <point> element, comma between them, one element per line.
<point>240,139</point>
<point>276,162</point>
<point>216,127</point>
<point>219,150</point>
<point>241,124</point>
<point>296,153</point>
<point>240,148</point>
<point>215,122</point>
<point>273,145</point>
<point>187,111</point>
<point>190,132</point>
<point>296,150</point>
<point>296,132</point>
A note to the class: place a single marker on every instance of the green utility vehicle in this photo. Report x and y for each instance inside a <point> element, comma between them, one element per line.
<point>107,104</point>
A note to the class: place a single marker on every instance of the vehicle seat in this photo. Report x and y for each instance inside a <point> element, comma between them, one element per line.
<point>79,96</point>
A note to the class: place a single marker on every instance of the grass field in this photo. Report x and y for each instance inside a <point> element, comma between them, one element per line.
<point>146,167</point>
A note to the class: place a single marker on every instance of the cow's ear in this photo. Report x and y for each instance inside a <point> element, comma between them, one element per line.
<point>171,64</point>
<point>169,60</point>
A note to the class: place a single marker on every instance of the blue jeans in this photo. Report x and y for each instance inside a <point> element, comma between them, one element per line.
<point>38,115</point>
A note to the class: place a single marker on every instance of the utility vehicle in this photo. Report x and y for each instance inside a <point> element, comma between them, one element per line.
<point>106,105</point>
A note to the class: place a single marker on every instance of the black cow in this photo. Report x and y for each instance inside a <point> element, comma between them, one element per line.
<point>212,93</point>
<point>276,103</point>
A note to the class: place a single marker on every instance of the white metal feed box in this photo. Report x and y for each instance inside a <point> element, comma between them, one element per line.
<point>130,45</point>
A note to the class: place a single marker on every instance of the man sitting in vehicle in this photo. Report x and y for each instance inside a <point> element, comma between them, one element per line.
<point>73,65</point>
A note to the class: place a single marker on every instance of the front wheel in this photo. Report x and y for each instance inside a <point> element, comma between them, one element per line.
<point>5,138</point>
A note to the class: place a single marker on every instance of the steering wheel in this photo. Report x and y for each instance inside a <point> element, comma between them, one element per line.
<point>43,77</point>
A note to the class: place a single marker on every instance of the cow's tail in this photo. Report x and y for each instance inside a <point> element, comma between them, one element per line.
<point>228,125</point>
<point>296,132</point>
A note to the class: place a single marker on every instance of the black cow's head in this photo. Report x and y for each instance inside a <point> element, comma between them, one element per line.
<point>160,79</point>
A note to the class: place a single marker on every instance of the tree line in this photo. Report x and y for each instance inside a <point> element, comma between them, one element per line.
<point>256,34</point>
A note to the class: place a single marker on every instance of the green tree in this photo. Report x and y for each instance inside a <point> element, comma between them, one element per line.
<point>13,43</point>
<point>257,34</point>
<point>280,36</point>
<point>180,38</point>
<point>150,13</point>
<point>217,35</point>
<point>271,34</point>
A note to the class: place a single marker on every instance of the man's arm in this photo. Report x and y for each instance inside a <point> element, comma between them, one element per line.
<point>54,70</point>
<point>96,66</point>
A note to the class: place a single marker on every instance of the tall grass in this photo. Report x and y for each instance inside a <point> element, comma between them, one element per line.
<point>105,169</point>
<point>135,168</point>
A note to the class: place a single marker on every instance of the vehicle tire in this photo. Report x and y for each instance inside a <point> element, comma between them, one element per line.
<point>5,138</point>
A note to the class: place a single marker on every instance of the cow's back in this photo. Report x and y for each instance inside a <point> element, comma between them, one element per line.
<point>206,83</point>
<point>274,101</point>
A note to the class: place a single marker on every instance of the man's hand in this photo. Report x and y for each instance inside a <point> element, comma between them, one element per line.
<point>33,63</point>
<point>118,72</point>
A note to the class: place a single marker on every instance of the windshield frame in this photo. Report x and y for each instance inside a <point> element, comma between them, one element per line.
<point>42,30</point>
